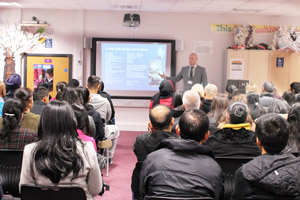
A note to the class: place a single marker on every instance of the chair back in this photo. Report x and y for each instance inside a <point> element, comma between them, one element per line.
<point>179,198</point>
<point>10,170</point>
<point>52,193</point>
<point>229,165</point>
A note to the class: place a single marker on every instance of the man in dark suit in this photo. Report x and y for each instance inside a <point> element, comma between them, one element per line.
<point>190,74</point>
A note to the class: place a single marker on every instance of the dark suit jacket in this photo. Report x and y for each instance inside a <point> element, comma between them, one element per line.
<point>199,77</point>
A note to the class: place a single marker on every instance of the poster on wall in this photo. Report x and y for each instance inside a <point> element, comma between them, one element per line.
<point>236,70</point>
<point>47,69</point>
<point>204,47</point>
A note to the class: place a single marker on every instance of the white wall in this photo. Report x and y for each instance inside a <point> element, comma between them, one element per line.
<point>70,26</point>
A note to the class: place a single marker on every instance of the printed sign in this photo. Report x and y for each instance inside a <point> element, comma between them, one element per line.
<point>280,62</point>
<point>48,43</point>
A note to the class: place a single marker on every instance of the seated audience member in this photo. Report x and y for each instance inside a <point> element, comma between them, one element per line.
<point>83,125</point>
<point>60,86</point>
<point>191,101</point>
<point>273,174</point>
<point>71,96</point>
<point>293,144</point>
<point>267,94</point>
<point>73,83</point>
<point>165,94</point>
<point>2,94</point>
<point>199,89</point>
<point>183,168</point>
<point>255,108</point>
<point>12,136</point>
<point>297,97</point>
<point>177,103</point>
<point>85,93</point>
<point>295,87</point>
<point>251,88</point>
<point>219,105</point>
<point>210,91</point>
<point>161,122</point>
<point>49,79</point>
<point>30,120</point>
<point>108,97</point>
<point>59,157</point>
<point>279,106</point>
<point>231,91</point>
<point>234,139</point>
<point>12,84</point>
<point>102,106</point>
<point>41,96</point>
<point>289,96</point>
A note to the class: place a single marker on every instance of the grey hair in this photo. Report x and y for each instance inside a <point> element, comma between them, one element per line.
<point>191,100</point>
<point>268,86</point>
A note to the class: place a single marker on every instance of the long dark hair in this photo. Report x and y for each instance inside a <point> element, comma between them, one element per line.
<point>55,155</point>
<point>293,143</point>
<point>12,114</point>
<point>25,95</point>
<point>60,86</point>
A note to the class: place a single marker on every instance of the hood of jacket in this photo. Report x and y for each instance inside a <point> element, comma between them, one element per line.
<point>185,145</point>
<point>229,135</point>
<point>97,101</point>
<point>277,174</point>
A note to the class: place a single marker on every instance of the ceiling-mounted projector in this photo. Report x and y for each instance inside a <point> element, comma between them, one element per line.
<point>131,20</point>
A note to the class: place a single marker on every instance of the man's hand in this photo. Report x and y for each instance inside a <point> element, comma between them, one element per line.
<point>162,75</point>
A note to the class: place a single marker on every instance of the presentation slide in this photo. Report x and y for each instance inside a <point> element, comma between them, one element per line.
<point>132,66</point>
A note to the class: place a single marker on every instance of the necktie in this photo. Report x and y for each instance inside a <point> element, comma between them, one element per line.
<point>191,72</point>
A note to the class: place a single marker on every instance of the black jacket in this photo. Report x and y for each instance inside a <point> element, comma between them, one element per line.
<point>181,168</point>
<point>98,122</point>
<point>38,107</point>
<point>144,145</point>
<point>228,142</point>
<point>268,175</point>
<point>206,105</point>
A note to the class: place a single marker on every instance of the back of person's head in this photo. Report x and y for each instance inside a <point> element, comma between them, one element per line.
<point>71,96</point>
<point>191,100</point>
<point>294,120</point>
<point>60,86</point>
<point>93,82</point>
<point>12,115</point>
<point>272,131</point>
<point>101,86</point>
<point>211,90</point>
<point>297,97</point>
<point>295,87</point>
<point>289,96</point>
<point>232,91</point>
<point>268,87</point>
<point>166,87</point>
<point>82,119</point>
<point>251,88</point>
<point>238,113</point>
<point>199,89</point>
<point>40,93</point>
<point>218,106</point>
<point>13,82</point>
<point>193,125</point>
<point>160,117</point>
<point>279,106</point>
<point>73,83</point>
<point>84,92</point>
<point>256,109</point>
<point>25,95</point>
<point>55,155</point>
<point>177,98</point>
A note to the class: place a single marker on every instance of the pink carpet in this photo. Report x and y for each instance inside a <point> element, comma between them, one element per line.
<point>120,171</point>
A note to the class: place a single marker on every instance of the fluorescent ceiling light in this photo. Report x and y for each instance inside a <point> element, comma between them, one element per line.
<point>14,4</point>
<point>246,11</point>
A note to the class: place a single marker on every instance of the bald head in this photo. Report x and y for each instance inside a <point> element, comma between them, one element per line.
<point>161,117</point>
<point>199,89</point>
<point>193,58</point>
<point>191,100</point>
